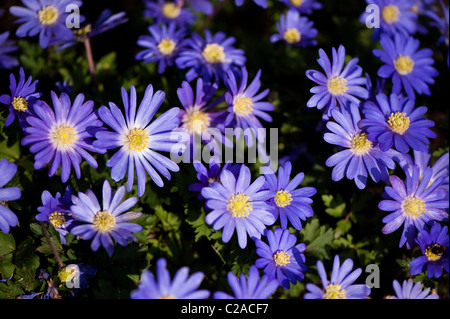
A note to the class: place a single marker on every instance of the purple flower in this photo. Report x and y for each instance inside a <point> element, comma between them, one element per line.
<point>414,204</point>
<point>46,18</point>
<point>295,30</point>
<point>7,217</point>
<point>340,285</point>
<point>182,286</point>
<point>394,121</point>
<point>63,136</point>
<point>169,11</point>
<point>204,6</point>
<point>433,243</point>
<point>411,290</point>
<point>261,3</point>
<point>337,86</point>
<point>252,287</point>
<point>238,205</point>
<point>409,67</point>
<point>303,6</point>
<point>22,98</point>
<point>281,258</point>
<point>6,48</point>
<point>211,57</point>
<point>104,223</point>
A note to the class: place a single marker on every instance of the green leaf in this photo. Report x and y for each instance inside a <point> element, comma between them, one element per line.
<point>6,266</point>
<point>27,262</point>
<point>318,239</point>
<point>7,244</point>
<point>10,290</point>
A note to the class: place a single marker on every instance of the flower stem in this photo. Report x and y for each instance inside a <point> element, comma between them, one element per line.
<point>52,247</point>
<point>87,45</point>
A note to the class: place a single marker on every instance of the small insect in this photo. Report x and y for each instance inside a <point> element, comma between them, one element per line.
<point>438,250</point>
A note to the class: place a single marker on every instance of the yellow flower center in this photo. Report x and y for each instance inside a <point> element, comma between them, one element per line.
<point>57,219</point>
<point>212,180</point>
<point>20,104</point>
<point>81,34</point>
<point>213,53</point>
<point>166,46</point>
<point>196,121</point>
<point>67,274</point>
<point>390,13</point>
<point>334,291</point>
<point>360,144</point>
<point>283,198</point>
<point>398,122</point>
<point>434,252</point>
<point>64,136</point>
<point>239,205</point>
<point>281,258</point>
<point>242,105</point>
<point>414,207</point>
<point>104,222</point>
<point>168,297</point>
<point>292,35</point>
<point>48,15</point>
<point>337,85</point>
<point>296,3</point>
<point>404,64</point>
<point>137,139</point>
<point>171,10</point>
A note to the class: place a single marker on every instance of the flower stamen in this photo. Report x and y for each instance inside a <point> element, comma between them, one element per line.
<point>242,105</point>
<point>57,219</point>
<point>337,85</point>
<point>64,136</point>
<point>196,121</point>
<point>404,64</point>
<point>137,139</point>
<point>166,46</point>
<point>171,10</point>
<point>292,35</point>
<point>398,122</point>
<point>414,207</point>
<point>213,53</point>
<point>390,14</point>
<point>282,198</point>
<point>239,205</point>
<point>360,144</point>
<point>48,15</point>
<point>281,258</point>
<point>104,222</point>
<point>334,291</point>
<point>20,104</point>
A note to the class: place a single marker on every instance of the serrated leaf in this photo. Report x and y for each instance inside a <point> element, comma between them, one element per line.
<point>7,243</point>
<point>318,239</point>
<point>10,290</point>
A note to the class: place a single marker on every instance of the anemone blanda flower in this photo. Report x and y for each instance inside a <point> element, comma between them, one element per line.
<point>413,204</point>
<point>281,258</point>
<point>411,290</point>
<point>245,105</point>
<point>433,243</point>
<point>204,6</point>
<point>206,177</point>
<point>169,11</point>
<point>161,286</point>
<point>63,135</point>
<point>7,46</point>
<point>238,205</point>
<point>210,57</point>
<point>395,121</point>
<point>7,217</point>
<point>340,285</point>
<point>139,140</point>
<point>56,211</point>
<point>396,16</point>
<point>261,3</point>
<point>22,98</point>
<point>409,67</point>
<point>200,120</point>
<point>360,157</point>
<point>103,223</point>
<point>303,6</point>
<point>248,287</point>
<point>338,85</point>
<point>46,18</point>
<point>162,46</point>
<point>295,30</point>
<point>288,201</point>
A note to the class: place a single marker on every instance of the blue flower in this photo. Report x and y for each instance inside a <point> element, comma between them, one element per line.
<point>295,30</point>
<point>360,156</point>
<point>206,177</point>
<point>139,139</point>
<point>252,287</point>
<point>287,201</point>
<point>396,16</point>
<point>442,24</point>
<point>204,6</point>
<point>340,285</point>
<point>7,217</point>
<point>261,3</point>
<point>56,211</point>
<point>411,290</point>
<point>169,11</point>
<point>182,286</point>
<point>337,86</point>
<point>46,18</point>
<point>409,67</point>
<point>281,258</point>
<point>104,223</point>
<point>433,243</point>
<point>63,135</point>
<point>237,204</point>
<point>245,105</point>
<point>394,121</point>
<point>6,48</point>
<point>303,6</point>
<point>414,204</point>
<point>162,45</point>
<point>211,57</point>
<point>22,98</point>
